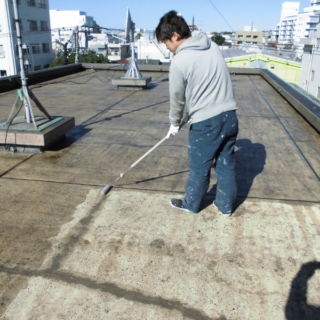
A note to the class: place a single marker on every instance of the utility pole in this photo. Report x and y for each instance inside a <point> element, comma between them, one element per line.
<point>76,35</point>
<point>22,73</point>
<point>25,93</point>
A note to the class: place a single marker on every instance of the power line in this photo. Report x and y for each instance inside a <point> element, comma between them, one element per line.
<point>221,15</point>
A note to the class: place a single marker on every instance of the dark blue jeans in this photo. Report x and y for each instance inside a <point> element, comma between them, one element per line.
<point>209,140</point>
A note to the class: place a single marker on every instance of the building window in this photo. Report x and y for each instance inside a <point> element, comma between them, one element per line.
<point>31,3</point>
<point>255,37</point>
<point>240,36</point>
<point>33,25</point>
<point>37,68</point>
<point>42,4</point>
<point>318,42</point>
<point>318,95</point>
<point>44,25</point>
<point>35,48</point>
<point>3,73</point>
<point>45,47</point>
<point>312,75</point>
<point>248,36</point>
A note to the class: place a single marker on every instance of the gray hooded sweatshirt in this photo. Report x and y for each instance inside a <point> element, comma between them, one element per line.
<point>199,80</point>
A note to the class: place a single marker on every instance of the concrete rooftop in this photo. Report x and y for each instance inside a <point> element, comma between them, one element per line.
<point>66,252</point>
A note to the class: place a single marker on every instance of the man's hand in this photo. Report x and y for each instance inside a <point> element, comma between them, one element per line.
<point>173,131</point>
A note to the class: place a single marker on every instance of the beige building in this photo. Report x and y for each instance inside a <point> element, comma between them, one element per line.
<point>255,37</point>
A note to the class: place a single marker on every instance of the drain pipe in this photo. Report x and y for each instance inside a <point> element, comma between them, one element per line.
<point>310,65</point>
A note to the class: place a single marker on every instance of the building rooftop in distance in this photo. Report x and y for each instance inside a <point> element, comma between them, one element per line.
<point>68,252</point>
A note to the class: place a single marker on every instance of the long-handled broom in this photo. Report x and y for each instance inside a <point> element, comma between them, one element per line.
<point>108,187</point>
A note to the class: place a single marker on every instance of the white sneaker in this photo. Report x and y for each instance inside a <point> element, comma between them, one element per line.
<point>177,203</point>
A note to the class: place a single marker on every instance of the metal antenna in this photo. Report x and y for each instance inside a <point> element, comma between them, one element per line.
<point>22,73</point>
<point>25,93</point>
<point>133,70</point>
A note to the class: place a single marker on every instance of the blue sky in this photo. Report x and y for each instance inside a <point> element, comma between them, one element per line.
<point>209,15</point>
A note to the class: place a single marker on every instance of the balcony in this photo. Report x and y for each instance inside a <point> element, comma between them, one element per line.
<point>314,20</point>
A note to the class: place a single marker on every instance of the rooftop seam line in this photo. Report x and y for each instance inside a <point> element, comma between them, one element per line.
<point>15,166</point>
<point>105,110</point>
<point>279,120</point>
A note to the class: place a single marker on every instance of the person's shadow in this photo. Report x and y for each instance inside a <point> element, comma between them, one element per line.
<point>250,161</point>
<point>297,307</point>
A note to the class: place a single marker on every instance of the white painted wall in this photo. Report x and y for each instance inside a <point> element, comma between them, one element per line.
<point>70,18</point>
<point>310,72</point>
<point>36,35</point>
<point>63,24</point>
<point>151,49</point>
<point>289,9</point>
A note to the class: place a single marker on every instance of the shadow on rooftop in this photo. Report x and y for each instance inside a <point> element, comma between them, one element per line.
<point>250,161</point>
<point>250,157</point>
<point>81,130</point>
<point>95,120</point>
<point>71,137</point>
<point>297,306</point>
<point>163,176</point>
<point>151,85</point>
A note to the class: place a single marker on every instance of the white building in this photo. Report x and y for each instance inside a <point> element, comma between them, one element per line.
<point>289,9</point>
<point>35,32</point>
<point>286,27</point>
<point>307,21</point>
<point>63,24</point>
<point>294,25</point>
<point>310,73</point>
<point>71,18</point>
<point>147,47</point>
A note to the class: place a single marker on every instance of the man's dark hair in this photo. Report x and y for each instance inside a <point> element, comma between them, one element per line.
<point>172,22</point>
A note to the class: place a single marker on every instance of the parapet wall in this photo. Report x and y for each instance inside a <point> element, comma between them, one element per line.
<point>14,82</point>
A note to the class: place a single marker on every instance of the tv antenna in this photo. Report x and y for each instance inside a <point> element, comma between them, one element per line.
<point>24,94</point>
<point>133,71</point>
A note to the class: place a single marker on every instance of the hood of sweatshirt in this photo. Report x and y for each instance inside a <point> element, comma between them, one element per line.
<point>198,42</point>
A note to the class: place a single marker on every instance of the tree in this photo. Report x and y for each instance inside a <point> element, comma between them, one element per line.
<point>218,39</point>
<point>90,57</point>
<point>138,36</point>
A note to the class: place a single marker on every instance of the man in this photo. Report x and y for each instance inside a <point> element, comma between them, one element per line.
<point>199,81</point>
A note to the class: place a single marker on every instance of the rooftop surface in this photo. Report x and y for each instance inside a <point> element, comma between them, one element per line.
<point>66,252</point>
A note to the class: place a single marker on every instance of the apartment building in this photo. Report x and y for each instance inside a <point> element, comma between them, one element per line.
<point>63,28</point>
<point>35,32</point>
<point>295,25</point>
<point>254,37</point>
<point>310,73</point>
